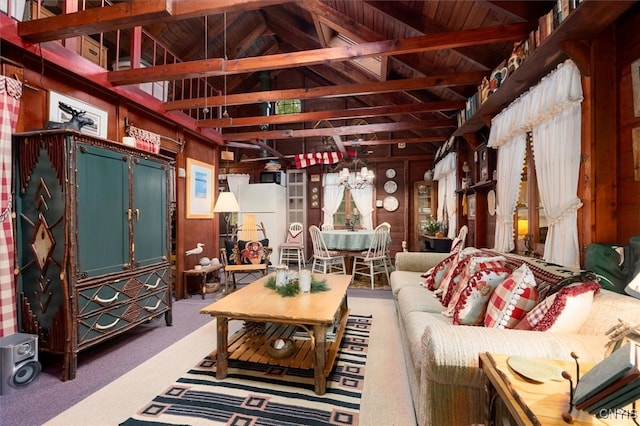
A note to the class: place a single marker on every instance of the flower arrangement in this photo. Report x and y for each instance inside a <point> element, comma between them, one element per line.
<point>431,227</point>
<point>292,287</point>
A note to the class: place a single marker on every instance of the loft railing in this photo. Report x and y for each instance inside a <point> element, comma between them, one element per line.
<point>153,53</point>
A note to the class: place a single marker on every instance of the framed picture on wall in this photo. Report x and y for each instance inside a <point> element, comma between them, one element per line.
<point>100,118</point>
<point>471,206</point>
<point>200,187</point>
<point>635,83</point>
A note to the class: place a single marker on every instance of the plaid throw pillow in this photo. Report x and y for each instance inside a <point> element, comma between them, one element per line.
<point>512,299</point>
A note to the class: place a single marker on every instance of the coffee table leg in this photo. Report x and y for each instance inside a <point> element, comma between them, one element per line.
<point>320,359</point>
<point>223,347</point>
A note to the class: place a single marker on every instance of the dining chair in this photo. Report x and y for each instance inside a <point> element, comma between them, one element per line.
<point>327,227</point>
<point>374,261</point>
<point>325,261</point>
<point>388,249</point>
<point>292,250</point>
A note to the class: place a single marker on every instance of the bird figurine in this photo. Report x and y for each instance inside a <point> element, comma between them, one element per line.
<point>196,250</point>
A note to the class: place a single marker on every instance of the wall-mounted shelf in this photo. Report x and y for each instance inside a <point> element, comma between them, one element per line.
<point>586,21</point>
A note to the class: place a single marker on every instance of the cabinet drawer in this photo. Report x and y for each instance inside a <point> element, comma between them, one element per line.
<point>101,324</point>
<point>112,292</point>
<point>91,49</point>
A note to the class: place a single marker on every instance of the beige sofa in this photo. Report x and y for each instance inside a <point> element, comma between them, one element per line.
<point>447,385</point>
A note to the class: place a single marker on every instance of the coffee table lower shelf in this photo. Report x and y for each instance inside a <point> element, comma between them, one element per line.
<point>249,347</point>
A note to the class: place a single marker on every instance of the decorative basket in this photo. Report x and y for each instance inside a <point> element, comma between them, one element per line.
<point>285,352</point>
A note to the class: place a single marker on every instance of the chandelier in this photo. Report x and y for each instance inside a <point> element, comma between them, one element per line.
<point>361,179</point>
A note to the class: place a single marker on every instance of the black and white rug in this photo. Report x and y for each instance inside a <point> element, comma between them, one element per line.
<point>255,394</point>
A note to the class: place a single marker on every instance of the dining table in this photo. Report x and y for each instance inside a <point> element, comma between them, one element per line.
<point>347,240</point>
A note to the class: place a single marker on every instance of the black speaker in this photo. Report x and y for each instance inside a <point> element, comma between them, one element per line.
<point>19,366</point>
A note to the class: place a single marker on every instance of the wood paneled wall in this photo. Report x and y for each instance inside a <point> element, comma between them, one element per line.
<point>628,188</point>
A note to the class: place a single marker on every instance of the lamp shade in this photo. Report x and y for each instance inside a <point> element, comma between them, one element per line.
<point>226,203</point>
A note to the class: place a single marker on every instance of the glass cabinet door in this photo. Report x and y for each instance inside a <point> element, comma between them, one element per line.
<point>423,211</point>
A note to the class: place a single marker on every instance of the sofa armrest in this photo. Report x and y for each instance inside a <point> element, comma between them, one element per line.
<point>417,261</point>
<point>451,352</point>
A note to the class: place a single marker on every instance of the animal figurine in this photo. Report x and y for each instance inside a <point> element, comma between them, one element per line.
<point>77,122</point>
<point>196,250</point>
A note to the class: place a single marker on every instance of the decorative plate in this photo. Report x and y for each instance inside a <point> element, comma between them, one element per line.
<point>390,204</point>
<point>491,202</point>
<point>390,187</point>
<point>532,369</point>
<point>390,173</point>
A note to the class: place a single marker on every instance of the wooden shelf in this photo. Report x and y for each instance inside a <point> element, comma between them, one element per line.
<point>586,21</point>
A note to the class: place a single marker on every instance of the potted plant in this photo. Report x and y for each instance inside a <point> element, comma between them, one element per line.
<point>432,227</point>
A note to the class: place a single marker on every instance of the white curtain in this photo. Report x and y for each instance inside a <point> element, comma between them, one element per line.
<point>10,94</point>
<point>511,158</point>
<point>333,193</point>
<point>445,173</point>
<point>551,111</point>
<point>363,198</point>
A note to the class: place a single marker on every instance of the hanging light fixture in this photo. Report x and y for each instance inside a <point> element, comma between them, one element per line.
<point>360,178</point>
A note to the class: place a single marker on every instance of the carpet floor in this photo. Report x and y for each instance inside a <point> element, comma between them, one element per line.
<point>385,396</point>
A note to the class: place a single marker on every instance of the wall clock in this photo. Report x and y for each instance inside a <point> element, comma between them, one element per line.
<point>390,173</point>
<point>390,204</point>
<point>390,187</point>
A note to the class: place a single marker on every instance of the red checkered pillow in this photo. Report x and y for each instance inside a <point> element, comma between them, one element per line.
<point>512,299</point>
<point>472,303</point>
<point>562,312</point>
<point>473,265</point>
<point>433,277</point>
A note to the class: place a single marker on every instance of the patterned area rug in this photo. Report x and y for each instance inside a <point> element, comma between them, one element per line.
<point>255,394</point>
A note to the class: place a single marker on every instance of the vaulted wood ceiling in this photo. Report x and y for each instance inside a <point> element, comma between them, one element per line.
<point>237,55</point>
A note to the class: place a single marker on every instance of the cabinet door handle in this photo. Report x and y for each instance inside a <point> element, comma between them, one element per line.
<point>154,308</point>
<point>137,214</point>
<point>108,326</point>
<point>129,214</point>
<point>153,286</point>
<point>106,301</point>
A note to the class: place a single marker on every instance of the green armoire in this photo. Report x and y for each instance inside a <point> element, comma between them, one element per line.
<point>92,240</point>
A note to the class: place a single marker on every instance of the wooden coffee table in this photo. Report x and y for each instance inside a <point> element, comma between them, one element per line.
<point>314,312</point>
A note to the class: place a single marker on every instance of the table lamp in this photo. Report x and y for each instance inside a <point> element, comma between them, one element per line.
<point>226,203</point>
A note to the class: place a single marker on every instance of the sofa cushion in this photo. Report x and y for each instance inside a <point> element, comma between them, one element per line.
<point>453,275</point>
<point>562,312</point>
<point>412,299</point>
<point>402,279</point>
<point>434,276</point>
<point>473,265</point>
<point>472,303</point>
<point>512,299</point>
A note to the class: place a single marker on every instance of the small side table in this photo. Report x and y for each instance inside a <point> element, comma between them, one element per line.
<point>514,400</point>
<point>439,245</point>
<point>204,274</point>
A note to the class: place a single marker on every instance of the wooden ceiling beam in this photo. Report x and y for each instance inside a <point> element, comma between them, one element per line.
<point>220,66</point>
<point>355,89</point>
<point>428,139</point>
<point>343,130</point>
<point>375,111</point>
<point>129,14</point>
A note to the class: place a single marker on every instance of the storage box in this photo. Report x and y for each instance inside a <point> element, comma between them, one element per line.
<point>86,46</point>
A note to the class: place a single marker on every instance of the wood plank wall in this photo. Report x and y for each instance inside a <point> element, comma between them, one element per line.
<point>628,51</point>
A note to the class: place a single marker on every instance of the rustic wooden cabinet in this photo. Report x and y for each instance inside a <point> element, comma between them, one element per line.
<point>92,240</point>
<point>424,204</point>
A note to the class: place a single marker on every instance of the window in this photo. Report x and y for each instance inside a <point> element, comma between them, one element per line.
<point>347,209</point>
<point>288,106</point>
<point>529,219</point>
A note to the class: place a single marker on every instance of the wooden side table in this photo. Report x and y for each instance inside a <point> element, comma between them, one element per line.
<point>514,400</point>
<point>204,274</point>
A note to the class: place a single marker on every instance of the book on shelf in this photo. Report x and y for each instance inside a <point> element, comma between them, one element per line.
<point>609,379</point>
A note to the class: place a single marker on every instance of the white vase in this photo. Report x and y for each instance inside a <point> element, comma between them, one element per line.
<point>304,278</point>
